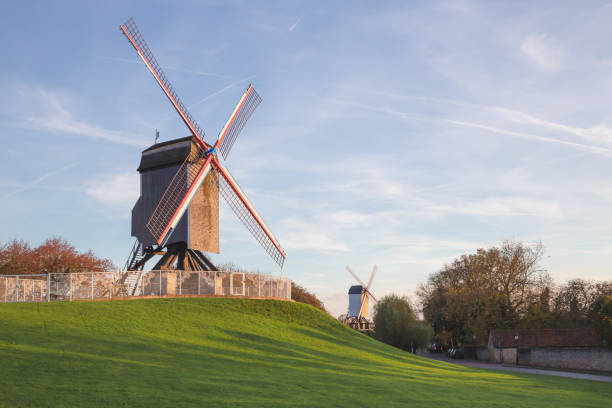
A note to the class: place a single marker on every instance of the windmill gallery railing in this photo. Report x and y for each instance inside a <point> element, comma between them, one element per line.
<point>109,285</point>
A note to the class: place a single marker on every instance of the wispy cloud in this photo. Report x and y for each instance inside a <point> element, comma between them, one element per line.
<point>506,207</point>
<point>600,134</point>
<point>47,111</point>
<point>39,180</point>
<point>582,146</point>
<point>541,50</point>
<point>302,235</point>
<point>117,189</point>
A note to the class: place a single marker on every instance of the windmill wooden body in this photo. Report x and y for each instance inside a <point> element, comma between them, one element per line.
<point>177,213</point>
<point>358,315</point>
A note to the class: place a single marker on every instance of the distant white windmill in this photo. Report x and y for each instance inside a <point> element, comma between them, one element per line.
<point>359,305</point>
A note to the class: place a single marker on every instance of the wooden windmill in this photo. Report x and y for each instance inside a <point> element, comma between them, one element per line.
<point>177,213</point>
<point>358,316</point>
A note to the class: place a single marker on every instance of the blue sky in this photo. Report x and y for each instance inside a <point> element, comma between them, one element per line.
<point>402,134</point>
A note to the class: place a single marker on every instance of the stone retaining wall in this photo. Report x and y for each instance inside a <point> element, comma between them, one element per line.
<point>577,359</point>
<point>591,359</point>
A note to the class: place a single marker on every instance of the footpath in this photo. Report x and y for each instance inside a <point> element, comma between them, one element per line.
<point>520,369</point>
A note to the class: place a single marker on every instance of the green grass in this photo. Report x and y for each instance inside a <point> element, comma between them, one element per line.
<point>238,352</point>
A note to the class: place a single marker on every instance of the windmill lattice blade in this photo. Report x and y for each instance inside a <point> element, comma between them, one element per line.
<point>372,296</point>
<point>242,112</point>
<point>371,276</point>
<point>245,212</point>
<point>355,276</point>
<point>178,195</point>
<point>132,33</point>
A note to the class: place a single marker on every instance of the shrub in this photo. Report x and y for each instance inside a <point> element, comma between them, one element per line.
<point>396,323</point>
<point>301,295</point>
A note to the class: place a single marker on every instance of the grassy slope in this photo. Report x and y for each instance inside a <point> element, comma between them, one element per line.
<point>238,352</point>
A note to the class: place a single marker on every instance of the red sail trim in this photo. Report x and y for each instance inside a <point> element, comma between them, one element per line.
<point>247,214</point>
<point>247,107</point>
<point>233,116</point>
<point>186,199</point>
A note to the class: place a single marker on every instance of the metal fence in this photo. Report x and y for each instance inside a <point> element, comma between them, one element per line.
<point>100,285</point>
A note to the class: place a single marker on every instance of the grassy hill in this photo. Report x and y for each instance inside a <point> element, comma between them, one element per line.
<point>238,352</point>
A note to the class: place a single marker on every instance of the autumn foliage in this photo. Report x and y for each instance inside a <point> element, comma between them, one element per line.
<point>504,288</point>
<point>301,295</point>
<point>55,255</point>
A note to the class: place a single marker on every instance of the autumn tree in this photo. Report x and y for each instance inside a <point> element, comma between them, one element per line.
<point>16,258</point>
<point>55,255</point>
<point>491,288</point>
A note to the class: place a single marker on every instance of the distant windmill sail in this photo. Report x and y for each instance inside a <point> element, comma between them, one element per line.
<point>364,294</point>
<point>196,168</point>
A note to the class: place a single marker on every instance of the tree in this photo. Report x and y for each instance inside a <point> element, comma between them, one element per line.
<point>301,295</point>
<point>491,288</point>
<point>55,255</point>
<point>16,257</point>
<point>602,319</point>
<point>396,323</point>
<point>577,303</point>
<point>572,303</point>
<point>539,314</point>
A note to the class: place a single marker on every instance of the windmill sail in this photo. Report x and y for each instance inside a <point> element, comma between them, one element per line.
<point>196,168</point>
<point>244,210</point>
<point>242,112</point>
<point>364,294</point>
<point>355,276</point>
<point>371,276</point>
<point>132,33</point>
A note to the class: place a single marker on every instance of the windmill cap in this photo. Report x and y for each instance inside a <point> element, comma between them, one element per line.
<point>169,153</point>
<point>355,290</point>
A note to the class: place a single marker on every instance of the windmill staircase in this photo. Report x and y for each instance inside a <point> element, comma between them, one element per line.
<point>136,257</point>
<point>133,283</point>
<point>132,280</point>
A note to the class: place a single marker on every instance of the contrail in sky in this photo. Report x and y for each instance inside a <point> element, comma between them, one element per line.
<point>39,180</point>
<point>295,24</point>
<point>189,71</point>
<point>220,91</point>
<point>212,95</point>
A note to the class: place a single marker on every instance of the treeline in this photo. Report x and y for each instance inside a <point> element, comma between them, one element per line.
<point>504,287</point>
<point>55,255</point>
